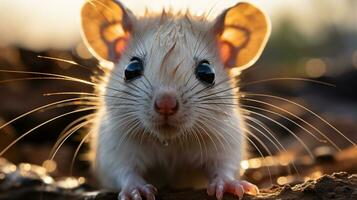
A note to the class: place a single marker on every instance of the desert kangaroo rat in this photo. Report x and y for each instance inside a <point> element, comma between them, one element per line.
<point>170,114</point>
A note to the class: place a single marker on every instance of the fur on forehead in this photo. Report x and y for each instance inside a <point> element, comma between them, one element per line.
<point>169,16</point>
<point>172,26</point>
<point>173,42</point>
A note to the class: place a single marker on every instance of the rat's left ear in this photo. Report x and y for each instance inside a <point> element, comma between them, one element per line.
<point>243,32</point>
<point>106,28</point>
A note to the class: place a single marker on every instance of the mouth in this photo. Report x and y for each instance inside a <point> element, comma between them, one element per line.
<point>166,129</point>
<point>167,126</point>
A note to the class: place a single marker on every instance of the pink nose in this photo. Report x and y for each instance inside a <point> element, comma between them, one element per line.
<point>166,104</point>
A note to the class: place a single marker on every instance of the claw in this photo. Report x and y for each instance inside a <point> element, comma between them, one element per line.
<point>219,187</point>
<point>137,193</point>
<point>220,191</point>
<point>123,197</point>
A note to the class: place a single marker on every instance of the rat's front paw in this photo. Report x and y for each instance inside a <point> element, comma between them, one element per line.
<point>220,186</point>
<point>136,193</point>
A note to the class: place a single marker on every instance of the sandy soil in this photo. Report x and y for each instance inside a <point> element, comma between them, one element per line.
<point>28,184</point>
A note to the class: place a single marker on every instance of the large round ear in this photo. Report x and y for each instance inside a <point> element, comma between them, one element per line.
<point>243,32</point>
<point>106,26</point>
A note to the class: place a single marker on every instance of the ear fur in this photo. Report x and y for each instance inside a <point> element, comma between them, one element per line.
<point>243,31</point>
<point>106,26</point>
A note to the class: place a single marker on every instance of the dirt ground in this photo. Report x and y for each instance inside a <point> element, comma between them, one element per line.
<point>27,181</point>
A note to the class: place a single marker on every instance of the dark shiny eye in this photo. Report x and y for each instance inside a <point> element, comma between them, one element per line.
<point>134,69</point>
<point>204,72</point>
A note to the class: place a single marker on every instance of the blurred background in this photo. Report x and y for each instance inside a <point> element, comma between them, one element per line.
<point>316,40</point>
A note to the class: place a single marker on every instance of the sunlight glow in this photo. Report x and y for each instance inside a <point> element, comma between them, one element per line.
<point>244,164</point>
<point>197,7</point>
<point>41,25</point>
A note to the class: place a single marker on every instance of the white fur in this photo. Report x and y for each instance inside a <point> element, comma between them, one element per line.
<point>200,143</point>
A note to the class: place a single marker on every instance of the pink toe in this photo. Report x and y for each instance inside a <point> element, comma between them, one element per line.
<point>239,190</point>
<point>219,191</point>
<point>150,189</point>
<point>123,197</point>
<point>136,195</point>
<point>149,192</point>
<point>149,196</point>
<point>211,189</point>
<point>250,188</point>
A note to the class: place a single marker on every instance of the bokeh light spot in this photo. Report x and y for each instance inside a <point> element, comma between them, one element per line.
<point>50,165</point>
<point>315,67</point>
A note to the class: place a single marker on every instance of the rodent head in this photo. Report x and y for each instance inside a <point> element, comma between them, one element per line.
<point>171,73</point>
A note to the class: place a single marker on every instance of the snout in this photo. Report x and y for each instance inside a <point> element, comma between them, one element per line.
<point>166,103</point>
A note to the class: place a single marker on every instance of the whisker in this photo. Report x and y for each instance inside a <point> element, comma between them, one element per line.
<point>85,138</point>
<point>199,144</point>
<point>73,103</point>
<point>264,135</point>
<point>307,110</point>
<point>266,129</point>
<point>210,86</point>
<point>219,103</point>
<point>259,151</point>
<point>42,124</point>
<point>49,74</point>
<point>284,127</point>
<point>210,137</point>
<point>65,136</point>
<point>35,78</point>
<point>252,142</point>
<point>256,82</point>
<point>92,95</point>
<point>147,80</point>
<point>67,61</point>
<point>69,128</point>
<point>223,97</point>
<point>41,108</point>
<point>129,84</point>
<point>71,93</point>
<point>297,117</point>
<point>287,79</point>
<point>234,138</point>
<point>203,119</point>
<point>128,134</point>
<point>203,141</point>
<point>211,109</point>
<point>219,92</point>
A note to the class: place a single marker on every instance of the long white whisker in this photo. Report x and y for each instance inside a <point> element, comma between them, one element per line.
<point>42,124</point>
<point>41,108</point>
<point>304,108</point>
<point>285,128</point>
<point>299,118</point>
<point>69,133</point>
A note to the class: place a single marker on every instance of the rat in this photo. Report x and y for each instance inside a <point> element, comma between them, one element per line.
<point>169,114</point>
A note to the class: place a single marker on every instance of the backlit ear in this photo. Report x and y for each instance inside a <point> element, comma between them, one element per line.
<point>106,27</point>
<point>243,32</point>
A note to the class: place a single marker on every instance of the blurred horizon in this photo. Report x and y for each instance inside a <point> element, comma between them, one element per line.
<point>42,25</point>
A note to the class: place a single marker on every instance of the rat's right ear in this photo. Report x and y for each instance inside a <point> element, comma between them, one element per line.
<point>106,26</point>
